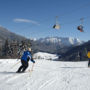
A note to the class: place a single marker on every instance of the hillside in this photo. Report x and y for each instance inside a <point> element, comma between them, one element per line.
<point>6,34</point>
<point>10,43</point>
<point>73,53</point>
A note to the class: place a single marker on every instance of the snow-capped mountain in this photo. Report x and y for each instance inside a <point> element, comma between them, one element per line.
<point>55,44</point>
<point>61,41</point>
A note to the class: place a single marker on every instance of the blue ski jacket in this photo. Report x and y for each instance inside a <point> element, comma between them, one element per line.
<point>27,56</point>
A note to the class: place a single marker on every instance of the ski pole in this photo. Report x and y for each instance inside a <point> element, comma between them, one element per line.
<point>32,67</point>
<point>31,70</point>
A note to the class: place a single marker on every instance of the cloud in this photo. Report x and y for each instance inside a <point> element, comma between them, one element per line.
<point>25,21</point>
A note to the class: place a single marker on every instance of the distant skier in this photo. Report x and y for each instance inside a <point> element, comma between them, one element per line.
<point>88,54</point>
<point>24,60</point>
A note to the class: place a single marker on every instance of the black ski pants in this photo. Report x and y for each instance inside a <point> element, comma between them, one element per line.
<point>23,67</point>
<point>89,62</point>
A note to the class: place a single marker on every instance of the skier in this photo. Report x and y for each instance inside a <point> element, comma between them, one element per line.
<point>88,54</point>
<point>24,60</point>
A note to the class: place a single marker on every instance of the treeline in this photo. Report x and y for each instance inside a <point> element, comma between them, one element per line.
<point>13,49</point>
<point>77,53</point>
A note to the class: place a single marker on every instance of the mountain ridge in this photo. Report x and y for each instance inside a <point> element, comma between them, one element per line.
<point>65,41</point>
<point>6,34</point>
<point>54,44</point>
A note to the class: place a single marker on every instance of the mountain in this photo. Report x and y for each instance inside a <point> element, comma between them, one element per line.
<point>6,34</point>
<point>67,41</point>
<point>54,44</point>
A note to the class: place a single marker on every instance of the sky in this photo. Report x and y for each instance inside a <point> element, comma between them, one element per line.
<point>36,18</point>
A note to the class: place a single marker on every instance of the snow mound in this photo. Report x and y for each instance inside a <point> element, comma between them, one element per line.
<point>46,56</point>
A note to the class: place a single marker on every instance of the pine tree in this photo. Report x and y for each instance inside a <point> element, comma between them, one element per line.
<point>6,47</point>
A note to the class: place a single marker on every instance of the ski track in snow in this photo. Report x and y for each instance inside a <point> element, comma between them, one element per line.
<point>47,75</point>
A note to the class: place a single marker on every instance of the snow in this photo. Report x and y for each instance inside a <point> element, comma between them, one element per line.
<point>46,75</point>
<point>45,56</point>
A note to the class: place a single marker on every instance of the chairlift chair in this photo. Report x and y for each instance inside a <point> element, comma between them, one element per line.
<point>56,26</point>
<point>80,27</point>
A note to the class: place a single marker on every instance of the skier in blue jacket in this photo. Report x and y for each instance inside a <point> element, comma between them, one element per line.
<point>24,60</point>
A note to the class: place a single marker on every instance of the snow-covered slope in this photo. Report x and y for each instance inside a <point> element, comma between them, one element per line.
<point>61,40</point>
<point>46,75</point>
<point>46,56</point>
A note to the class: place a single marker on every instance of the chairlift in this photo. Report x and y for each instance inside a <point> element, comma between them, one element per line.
<point>56,26</point>
<point>80,27</point>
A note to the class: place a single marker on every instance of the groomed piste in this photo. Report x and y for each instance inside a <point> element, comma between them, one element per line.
<point>46,75</point>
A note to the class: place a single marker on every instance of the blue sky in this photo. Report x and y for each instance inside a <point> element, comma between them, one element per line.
<point>35,18</point>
